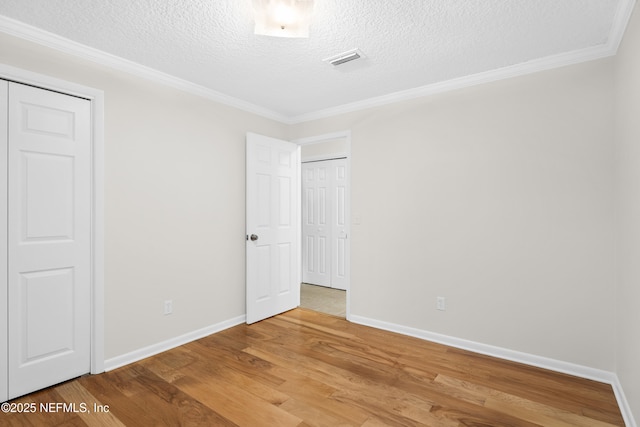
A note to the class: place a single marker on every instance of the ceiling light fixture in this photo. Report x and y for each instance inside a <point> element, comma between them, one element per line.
<point>282,18</point>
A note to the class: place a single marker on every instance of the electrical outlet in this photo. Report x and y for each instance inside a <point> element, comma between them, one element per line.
<point>441,303</point>
<point>168,307</point>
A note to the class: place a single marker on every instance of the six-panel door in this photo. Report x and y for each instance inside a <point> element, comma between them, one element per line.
<point>49,222</point>
<point>324,226</point>
<point>273,226</point>
<point>316,223</point>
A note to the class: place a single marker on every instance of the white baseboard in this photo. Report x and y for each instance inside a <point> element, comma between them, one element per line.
<point>514,356</point>
<point>154,349</point>
<point>623,403</point>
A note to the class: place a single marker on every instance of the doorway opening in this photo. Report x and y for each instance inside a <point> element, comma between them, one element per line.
<point>325,224</point>
<point>323,299</point>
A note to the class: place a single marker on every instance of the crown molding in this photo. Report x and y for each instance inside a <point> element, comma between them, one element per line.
<point>36,35</point>
<point>610,48</point>
<point>530,67</point>
<point>619,26</point>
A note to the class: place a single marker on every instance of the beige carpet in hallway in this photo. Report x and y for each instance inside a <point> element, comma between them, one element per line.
<point>324,300</point>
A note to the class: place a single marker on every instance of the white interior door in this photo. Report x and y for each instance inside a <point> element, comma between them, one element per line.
<point>316,226</point>
<point>49,223</point>
<point>4,103</point>
<point>324,226</point>
<point>273,226</point>
<point>339,252</point>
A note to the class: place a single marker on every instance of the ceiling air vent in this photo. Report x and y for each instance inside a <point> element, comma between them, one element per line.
<point>341,58</point>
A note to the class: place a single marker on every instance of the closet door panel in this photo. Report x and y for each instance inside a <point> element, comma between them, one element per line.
<point>4,99</point>
<point>316,229</point>
<point>49,223</point>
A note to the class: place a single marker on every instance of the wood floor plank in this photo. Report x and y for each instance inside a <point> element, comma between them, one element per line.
<point>408,410</point>
<point>462,390</point>
<point>318,396</point>
<point>314,416</point>
<point>215,351</point>
<point>156,401</point>
<point>208,369</point>
<point>40,417</point>
<point>74,392</point>
<point>577,392</point>
<point>183,409</point>
<point>304,368</point>
<point>535,412</point>
<point>237,405</point>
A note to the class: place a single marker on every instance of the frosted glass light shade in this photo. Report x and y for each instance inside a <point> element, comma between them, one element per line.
<point>282,18</point>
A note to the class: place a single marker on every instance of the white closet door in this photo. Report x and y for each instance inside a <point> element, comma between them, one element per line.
<point>316,223</point>
<point>4,100</point>
<point>49,220</point>
<point>324,223</point>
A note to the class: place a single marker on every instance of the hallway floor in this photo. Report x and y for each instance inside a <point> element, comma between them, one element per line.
<point>324,300</point>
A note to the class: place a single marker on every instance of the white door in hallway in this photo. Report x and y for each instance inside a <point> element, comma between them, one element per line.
<point>316,225</point>
<point>273,227</point>
<point>339,254</point>
<point>324,251</point>
<point>48,237</point>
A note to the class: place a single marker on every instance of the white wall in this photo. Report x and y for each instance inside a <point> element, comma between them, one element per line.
<point>326,149</point>
<point>628,212</point>
<point>499,198</point>
<point>174,197</point>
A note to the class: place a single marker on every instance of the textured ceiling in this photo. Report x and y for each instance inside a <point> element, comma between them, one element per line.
<point>408,43</point>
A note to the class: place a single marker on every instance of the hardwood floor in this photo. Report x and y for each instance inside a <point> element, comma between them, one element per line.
<point>304,368</point>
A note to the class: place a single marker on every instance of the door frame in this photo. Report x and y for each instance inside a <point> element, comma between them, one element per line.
<point>346,134</point>
<point>96,99</point>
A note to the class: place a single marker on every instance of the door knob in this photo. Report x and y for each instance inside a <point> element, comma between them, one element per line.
<point>253,237</point>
